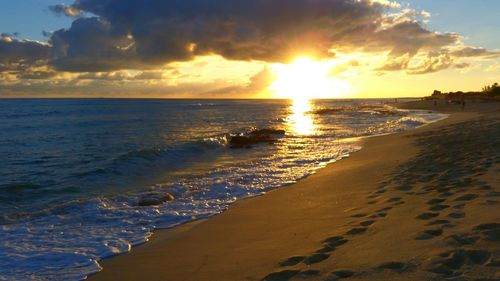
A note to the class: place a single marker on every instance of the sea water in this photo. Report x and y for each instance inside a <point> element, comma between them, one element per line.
<point>74,171</point>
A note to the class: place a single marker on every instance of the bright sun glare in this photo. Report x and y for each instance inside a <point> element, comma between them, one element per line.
<point>305,79</point>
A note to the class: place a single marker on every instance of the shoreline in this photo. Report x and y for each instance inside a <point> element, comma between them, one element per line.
<point>247,241</point>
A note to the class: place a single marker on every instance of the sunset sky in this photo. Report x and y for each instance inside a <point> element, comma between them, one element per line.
<point>247,49</point>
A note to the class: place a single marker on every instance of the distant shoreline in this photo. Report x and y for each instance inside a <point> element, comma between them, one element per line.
<point>156,98</point>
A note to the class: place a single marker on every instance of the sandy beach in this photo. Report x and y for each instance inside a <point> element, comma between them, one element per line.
<point>417,205</point>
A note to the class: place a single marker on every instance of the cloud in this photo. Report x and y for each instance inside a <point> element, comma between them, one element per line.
<point>46,33</point>
<point>261,80</point>
<point>92,44</point>
<point>462,65</point>
<point>111,42</point>
<point>432,63</point>
<point>475,52</point>
<point>494,67</point>
<point>18,54</point>
<point>108,76</point>
<point>146,33</point>
<point>69,11</point>
<point>257,86</point>
<point>342,68</point>
<point>11,35</point>
<point>396,63</point>
<point>149,75</point>
<point>387,3</point>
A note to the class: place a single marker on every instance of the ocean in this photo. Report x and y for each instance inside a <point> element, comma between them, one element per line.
<point>85,179</point>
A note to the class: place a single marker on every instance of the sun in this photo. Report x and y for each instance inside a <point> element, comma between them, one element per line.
<point>306,79</point>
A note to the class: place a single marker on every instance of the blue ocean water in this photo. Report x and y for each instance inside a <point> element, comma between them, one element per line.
<point>73,171</point>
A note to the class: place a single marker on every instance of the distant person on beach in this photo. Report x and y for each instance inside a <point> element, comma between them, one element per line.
<point>463,104</point>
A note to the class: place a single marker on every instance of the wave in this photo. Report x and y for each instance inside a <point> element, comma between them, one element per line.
<point>140,160</point>
<point>32,114</point>
<point>384,110</point>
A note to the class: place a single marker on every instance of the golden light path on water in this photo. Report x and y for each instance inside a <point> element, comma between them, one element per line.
<point>300,121</point>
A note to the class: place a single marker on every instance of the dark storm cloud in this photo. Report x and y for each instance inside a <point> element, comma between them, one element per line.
<point>93,44</point>
<point>147,33</point>
<point>18,54</point>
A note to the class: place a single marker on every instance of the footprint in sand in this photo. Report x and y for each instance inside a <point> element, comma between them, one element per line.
<point>456,215</point>
<point>357,230</point>
<point>435,201</point>
<point>452,261</point>
<point>394,266</point>
<point>445,194</point>
<point>491,231</point>
<point>367,223</point>
<point>325,250</point>
<point>429,234</point>
<point>335,241</point>
<point>384,209</point>
<point>393,199</point>
<point>381,215</point>
<point>332,243</point>
<point>461,240</point>
<point>340,274</point>
<point>405,187</point>
<point>309,273</point>
<point>427,216</point>
<point>281,275</point>
<point>360,215</point>
<point>292,261</point>
<point>467,197</point>
<point>378,215</point>
<point>438,207</point>
<point>446,223</point>
<point>315,258</point>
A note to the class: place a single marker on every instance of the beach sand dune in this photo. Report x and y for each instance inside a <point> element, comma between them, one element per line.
<point>419,205</point>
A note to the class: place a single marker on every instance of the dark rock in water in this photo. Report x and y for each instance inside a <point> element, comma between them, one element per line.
<point>386,112</point>
<point>268,132</point>
<point>331,110</point>
<point>155,199</point>
<point>244,141</point>
<point>255,137</point>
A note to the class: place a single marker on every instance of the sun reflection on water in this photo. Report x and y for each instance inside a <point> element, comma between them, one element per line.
<point>300,120</point>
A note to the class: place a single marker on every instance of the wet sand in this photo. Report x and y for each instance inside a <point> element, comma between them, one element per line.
<point>418,205</point>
